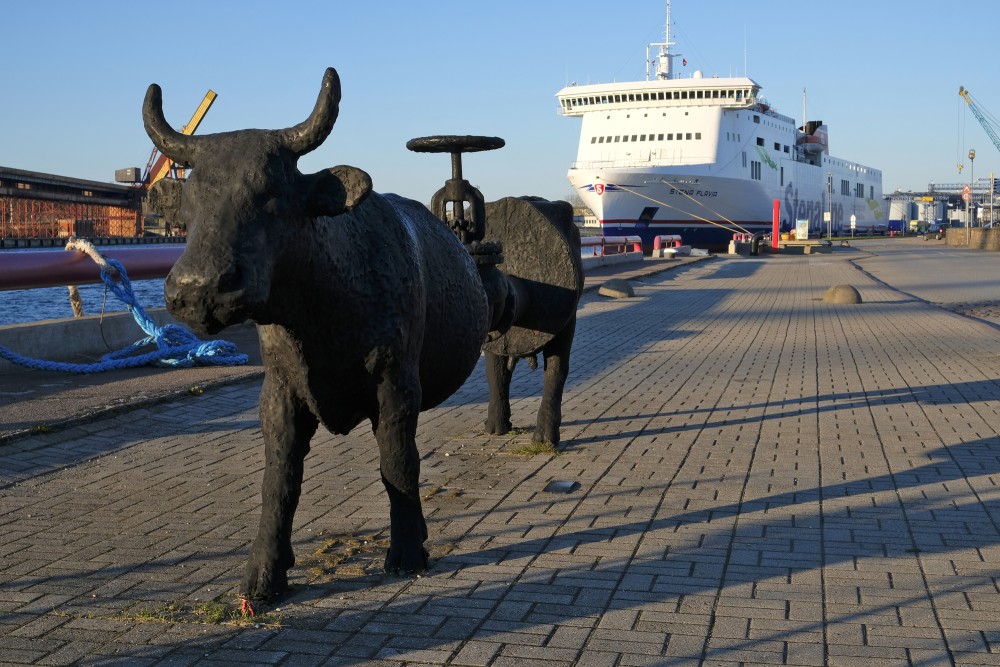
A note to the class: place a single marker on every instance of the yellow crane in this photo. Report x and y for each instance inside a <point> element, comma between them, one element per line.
<point>159,164</point>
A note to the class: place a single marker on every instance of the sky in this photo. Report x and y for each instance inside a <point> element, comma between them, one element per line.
<point>884,75</point>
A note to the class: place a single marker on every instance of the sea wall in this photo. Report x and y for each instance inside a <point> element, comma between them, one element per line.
<point>77,340</point>
<point>977,237</point>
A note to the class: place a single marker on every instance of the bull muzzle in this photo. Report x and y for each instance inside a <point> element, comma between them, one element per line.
<point>207,306</point>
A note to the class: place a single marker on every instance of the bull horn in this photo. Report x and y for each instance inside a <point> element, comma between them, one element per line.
<point>311,132</point>
<point>178,147</point>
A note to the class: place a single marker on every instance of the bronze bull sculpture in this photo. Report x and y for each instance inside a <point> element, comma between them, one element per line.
<point>367,307</point>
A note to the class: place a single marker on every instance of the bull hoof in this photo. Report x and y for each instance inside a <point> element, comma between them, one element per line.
<point>263,583</point>
<point>498,426</point>
<point>545,437</point>
<point>406,560</point>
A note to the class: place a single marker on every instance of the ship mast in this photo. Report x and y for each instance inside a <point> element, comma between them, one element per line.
<point>665,59</point>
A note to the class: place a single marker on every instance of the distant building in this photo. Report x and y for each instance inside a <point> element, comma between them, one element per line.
<point>37,205</point>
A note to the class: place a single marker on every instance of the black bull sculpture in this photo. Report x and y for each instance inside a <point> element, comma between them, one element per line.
<point>367,307</point>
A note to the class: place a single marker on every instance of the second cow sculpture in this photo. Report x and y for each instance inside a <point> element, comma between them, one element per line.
<point>367,307</point>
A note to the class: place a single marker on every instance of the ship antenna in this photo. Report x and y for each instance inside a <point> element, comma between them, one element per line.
<point>664,60</point>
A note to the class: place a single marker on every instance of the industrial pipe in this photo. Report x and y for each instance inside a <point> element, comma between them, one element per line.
<point>30,270</point>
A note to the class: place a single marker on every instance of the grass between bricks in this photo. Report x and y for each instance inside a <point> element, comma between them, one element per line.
<point>213,612</point>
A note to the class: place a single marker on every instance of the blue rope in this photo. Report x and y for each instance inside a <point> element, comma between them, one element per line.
<point>175,346</point>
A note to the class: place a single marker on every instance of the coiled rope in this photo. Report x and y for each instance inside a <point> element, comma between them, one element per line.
<point>175,346</point>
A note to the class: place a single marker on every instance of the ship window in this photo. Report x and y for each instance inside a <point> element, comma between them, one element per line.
<point>660,95</point>
<point>625,138</point>
<point>670,137</point>
<point>777,146</point>
<point>760,141</point>
<point>756,118</point>
<point>642,137</point>
<point>744,159</point>
<point>593,140</point>
<point>617,137</point>
<point>697,135</point>
<point>609,140</point>
<point>715,94</point>
<point>782,176</point>
<point>871,192</point>
<point>688,136</point>
<point>633,137</point>
<point>660,137</point>
<point>701,94</point>
<point>684,94</point>
<point>786,149</point>
<point>600,140</point>
<point>845,187</point>
<point>618,98</point>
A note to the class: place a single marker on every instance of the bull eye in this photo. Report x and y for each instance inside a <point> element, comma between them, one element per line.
<point>275,207</point>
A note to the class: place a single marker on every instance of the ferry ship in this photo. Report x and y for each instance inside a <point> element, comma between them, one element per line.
<point>706,158</point>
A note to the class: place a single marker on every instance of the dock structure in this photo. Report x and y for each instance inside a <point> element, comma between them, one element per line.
<point>747,475</point>
<point>37,209</point>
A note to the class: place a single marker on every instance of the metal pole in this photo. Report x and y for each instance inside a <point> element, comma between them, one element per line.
<point>829,203</point>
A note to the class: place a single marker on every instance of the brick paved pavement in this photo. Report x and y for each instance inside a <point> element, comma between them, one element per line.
<point>764,479</point>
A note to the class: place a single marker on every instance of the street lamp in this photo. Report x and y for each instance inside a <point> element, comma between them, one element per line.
<point>972,185</point>
<point>829,204</point>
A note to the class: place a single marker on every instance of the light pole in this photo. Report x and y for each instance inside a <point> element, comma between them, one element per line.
<point>972,186</point>
<point>829,203</point>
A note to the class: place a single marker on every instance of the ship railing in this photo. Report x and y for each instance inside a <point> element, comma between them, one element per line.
<point>612,245</point>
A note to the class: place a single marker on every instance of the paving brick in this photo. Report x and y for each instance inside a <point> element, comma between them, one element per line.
<point>760,473</point>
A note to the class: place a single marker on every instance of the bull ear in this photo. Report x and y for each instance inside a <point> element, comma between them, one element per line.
<point>338,189</point>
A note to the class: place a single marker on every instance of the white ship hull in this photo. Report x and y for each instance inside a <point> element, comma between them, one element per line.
<point>706,210</point>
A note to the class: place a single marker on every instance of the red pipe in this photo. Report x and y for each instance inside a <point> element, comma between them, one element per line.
<point>29,270</point>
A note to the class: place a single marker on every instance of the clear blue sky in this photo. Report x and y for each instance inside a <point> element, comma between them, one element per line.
<point>883,74</point>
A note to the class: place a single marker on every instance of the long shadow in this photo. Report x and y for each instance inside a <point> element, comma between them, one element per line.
<point>562,592</point>
<point>959,393</point>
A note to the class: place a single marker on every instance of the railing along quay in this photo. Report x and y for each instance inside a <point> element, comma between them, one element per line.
<point>28,243</point>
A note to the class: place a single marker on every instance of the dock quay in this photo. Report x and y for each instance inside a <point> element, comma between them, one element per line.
<point>753,477</point>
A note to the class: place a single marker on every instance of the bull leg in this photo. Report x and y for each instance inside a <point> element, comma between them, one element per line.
<point>556,355</point>
<point>498,376</point>
<point>399,461</point>
<point>287,426</point>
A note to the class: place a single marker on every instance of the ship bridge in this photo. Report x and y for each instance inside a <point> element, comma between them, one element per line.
<point>731,93</point>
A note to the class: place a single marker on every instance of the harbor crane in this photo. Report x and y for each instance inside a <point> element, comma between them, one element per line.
<point>988,124</point>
